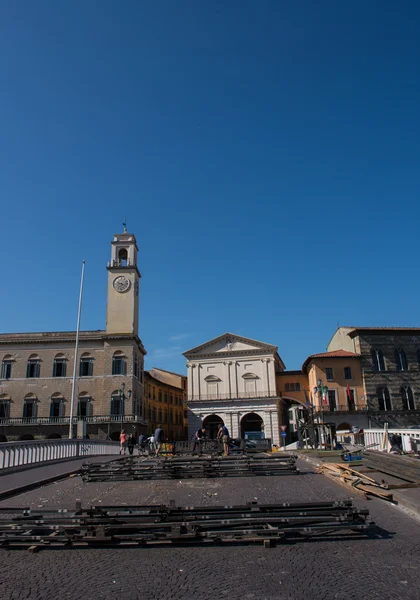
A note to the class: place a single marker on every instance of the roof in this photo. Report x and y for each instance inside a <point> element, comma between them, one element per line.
<point>167,378</point>
<point>333,354</point>
<point>354,330</point>
<point>291,372</point>
<point>170,372</point>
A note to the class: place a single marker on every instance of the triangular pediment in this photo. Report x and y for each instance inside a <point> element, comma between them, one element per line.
<point>229,343</point>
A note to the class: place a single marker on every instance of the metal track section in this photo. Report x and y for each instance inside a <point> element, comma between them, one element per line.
<point>134,468</point>
<point>128,526</point>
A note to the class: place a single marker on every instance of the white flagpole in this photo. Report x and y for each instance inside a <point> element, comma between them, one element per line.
<point>73,389</point>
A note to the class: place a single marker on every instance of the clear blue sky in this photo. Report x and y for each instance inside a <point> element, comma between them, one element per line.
<point>266,155</point>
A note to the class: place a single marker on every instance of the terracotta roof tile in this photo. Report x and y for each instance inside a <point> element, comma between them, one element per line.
<point>333,354</point>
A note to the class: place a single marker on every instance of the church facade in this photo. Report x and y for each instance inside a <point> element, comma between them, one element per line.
<point>37,368</point>
<point>232,379</point>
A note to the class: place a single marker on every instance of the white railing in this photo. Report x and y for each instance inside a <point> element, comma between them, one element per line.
<point>378,436</point>
<point>16,454</point>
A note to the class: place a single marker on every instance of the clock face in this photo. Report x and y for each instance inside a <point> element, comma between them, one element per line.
<point>121,284</point>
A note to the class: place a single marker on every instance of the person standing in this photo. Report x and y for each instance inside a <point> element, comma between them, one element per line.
<point>223,435</point>
<point>131,442</point>
<point>141,443</point>
<point>200,436</point>
<point>123,442</point>
<point>158,438</point>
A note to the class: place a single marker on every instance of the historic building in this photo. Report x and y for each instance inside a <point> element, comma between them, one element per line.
<point>232,379</point>
<point>37,368</point>
<point>390,370</point>
<point>164,397</point>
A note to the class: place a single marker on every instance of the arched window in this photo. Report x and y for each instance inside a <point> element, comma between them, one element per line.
<point>84,405</point>
<point>122,257</point>
<point>6,367</point>
<point>250,384</point>
<point>57,405</point>
<point>384,398</point>
<point>86,365</point>
<point>117,404</point>
<point>401,359</point>
<point>118,363</point>
<point>33,367</point>
<point>407,398</point>
<point>59,366</point>
<point>378,361</point>
<point>4,406</point>
<point>29,406</point>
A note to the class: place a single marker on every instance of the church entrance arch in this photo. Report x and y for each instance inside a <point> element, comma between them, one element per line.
<point>251,422</point>
<point>212,424</point>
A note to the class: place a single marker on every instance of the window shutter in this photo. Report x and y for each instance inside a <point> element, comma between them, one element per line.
<point>90,368</point>
<point>63,368</point>
<point>81,369</point>
<point>124,367</point>
<point>28,369</point>
<point>55,369</point>
<point>51,409</point>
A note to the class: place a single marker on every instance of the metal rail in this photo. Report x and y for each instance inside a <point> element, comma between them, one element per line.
<point>109,526</point>
<point>392,464</point>
<point>133,468</point>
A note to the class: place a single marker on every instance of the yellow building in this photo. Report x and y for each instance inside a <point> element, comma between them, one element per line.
<point>165,394</point>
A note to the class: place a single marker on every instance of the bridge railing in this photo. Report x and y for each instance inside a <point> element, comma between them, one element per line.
<point>410,438</point>
<point>17,454</point>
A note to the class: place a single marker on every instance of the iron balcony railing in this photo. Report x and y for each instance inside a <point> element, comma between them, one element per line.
<point>233,396</point>
<point>66,420</point>
<point>340,408</point>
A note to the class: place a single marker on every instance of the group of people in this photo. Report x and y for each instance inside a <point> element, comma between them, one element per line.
<point>222,435</point>
<point>146,445</point>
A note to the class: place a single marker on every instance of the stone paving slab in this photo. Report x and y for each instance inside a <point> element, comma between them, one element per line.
<point>384,568</point>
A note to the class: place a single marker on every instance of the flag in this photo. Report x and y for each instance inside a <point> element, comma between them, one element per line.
<point>324,396</point>
<point>348,392</point>
<point>308,403</point>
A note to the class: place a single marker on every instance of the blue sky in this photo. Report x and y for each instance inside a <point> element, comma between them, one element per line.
<point>266,155</point>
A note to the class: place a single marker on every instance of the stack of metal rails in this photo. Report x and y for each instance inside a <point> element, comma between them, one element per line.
<point>406,468</point>
<point>128,526</point>
<point>137,468</point>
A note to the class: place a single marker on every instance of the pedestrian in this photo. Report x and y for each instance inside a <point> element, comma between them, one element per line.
<point>223,435</point>
<point>158,435</point>
<point>151,441</point>
<point>199,438</point>
<point>141,443</point>
<point>123,442</point>
<point>131,443</point>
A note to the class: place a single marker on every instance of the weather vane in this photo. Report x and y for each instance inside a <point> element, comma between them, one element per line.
<point>125,224</point>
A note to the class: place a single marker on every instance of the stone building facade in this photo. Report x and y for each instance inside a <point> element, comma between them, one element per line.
<point>164,400</point>
<point>390,368</point>
<point>232,379</point>
<point>36,378</point>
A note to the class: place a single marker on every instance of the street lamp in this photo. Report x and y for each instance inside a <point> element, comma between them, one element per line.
<point>122,399</point>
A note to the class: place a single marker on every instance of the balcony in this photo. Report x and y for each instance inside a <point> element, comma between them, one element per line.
<point>9,422</point>
<point>224,397</point>
<point>340,408</point>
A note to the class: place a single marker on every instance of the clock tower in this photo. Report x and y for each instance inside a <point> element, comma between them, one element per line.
<point>122,311</point>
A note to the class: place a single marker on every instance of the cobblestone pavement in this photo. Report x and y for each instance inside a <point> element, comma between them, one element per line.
<point>383,568</point>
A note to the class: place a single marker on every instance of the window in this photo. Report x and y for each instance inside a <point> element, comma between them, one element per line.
<point>331,400</point>
<point>401,359</point>
<point>118,364</point>
<point>33,366</point>
<point>84,405</point>
<point>165,397</point>
<point>4,406</point>
<point>347,373</point>
<point>136,366</point>
<point>56,406</point>
<point>350,399</point>
<point>378,361</point>
<point>407,398</point>
<point>6,367</point>
<point>59,367</point>
<point>250,383</point>
<point>159,396</point>
<point>29,407</point>
<point>122,257</point>
<point>384,398</point>
<point>160,416</point>
<point>329,374</point>
<point>171,399</point>
<point>86,366</point>
<point>297,387</point>
<point>287,387</point>
<point>117,404</point>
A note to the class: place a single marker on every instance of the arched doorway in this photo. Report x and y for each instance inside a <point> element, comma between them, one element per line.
<point>26,437</point>
<point>212,424</point>
<point>53,436</point>
<point>251,422</point>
